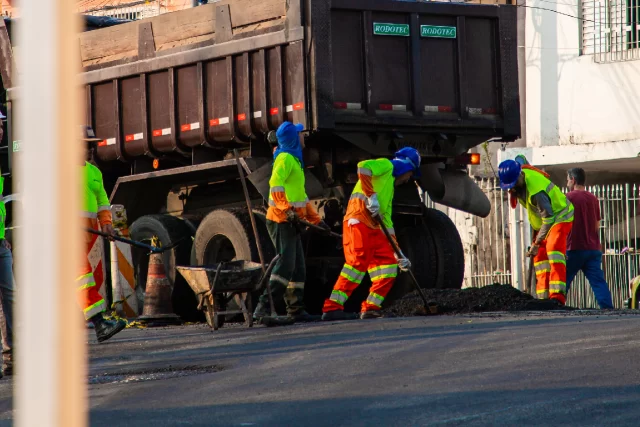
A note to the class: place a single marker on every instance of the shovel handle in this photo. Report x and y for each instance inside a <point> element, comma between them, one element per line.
<point>133,242</point>
<point>396,249</point>
<point>315,227</point>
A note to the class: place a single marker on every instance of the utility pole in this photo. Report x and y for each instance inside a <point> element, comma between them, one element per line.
<point>51,377</point>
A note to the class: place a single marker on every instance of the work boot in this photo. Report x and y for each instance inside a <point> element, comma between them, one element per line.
<point>105,329</point>
<point>376,314</point>
<point>260,312</point>
<point>303,316</point>
<point>339,315</point>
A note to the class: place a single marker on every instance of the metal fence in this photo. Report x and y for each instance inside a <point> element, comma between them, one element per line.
<point>495,246</point>
<point>133,11</point>
<point>620,238</point>
<point>485,240</point>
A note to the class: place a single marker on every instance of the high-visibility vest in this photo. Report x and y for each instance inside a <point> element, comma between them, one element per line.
<point>95,196</point>
<point>383,183</point>
<point>562,208</point>
<point>287,175</point>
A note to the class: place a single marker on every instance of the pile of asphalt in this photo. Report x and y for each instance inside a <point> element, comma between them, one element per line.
<point>489,298</point>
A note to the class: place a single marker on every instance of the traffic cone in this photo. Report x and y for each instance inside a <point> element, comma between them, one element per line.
<point>158,310</point>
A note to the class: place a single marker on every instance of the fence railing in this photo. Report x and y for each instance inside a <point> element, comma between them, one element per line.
<point>133,11</point>
<point>620,238</point>
<point>495,246</point>
<point>486,241</point>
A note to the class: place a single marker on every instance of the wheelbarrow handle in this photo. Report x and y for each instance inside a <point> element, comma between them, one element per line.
<point>267,272</point>
<point>141,245</point>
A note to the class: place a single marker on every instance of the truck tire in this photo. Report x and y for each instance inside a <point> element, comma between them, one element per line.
<point>226,235</point>
<point>169,230</point>
<point>449,249</point>
<point>418,245</point>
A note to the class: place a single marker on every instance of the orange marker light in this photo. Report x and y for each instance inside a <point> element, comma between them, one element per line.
<point>475,159</point>
<point>156,163</point>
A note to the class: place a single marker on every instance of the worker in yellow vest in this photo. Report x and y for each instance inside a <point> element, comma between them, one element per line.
<point>366,248</point>
<point>97,215</point>
<point>551,217</point>
<point>288,202</point>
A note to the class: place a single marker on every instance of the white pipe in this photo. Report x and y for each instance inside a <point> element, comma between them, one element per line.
<point>51,376</point>
<point>116,288</point>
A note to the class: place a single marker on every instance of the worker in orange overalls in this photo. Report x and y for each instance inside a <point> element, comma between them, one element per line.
<point>551,217</point>
<point>97,215</point>
<point>366,248</point>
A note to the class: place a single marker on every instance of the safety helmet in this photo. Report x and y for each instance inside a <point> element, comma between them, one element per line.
<point>410,156</point>
<point>509,172</point>
<point>520,158</point>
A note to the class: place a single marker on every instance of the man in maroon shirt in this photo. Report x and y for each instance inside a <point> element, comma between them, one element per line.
<point>583,243</point>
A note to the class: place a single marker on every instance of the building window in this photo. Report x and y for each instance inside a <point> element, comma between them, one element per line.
<point>611,29</point>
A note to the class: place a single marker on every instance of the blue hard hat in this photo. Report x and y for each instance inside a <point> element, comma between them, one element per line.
<point>407,159</point>
<point>287,133</point>
<point>509,172</point>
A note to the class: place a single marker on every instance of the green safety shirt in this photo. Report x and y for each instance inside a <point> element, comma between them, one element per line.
<point>374,176</point>
<point>288,178</point>
<point>561,207</point>
<point>95,196</point>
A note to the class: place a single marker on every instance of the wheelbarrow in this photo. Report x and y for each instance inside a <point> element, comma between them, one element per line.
<point>216,285</point>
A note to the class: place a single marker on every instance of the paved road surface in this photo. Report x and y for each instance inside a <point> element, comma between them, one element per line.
<point>507,370</point>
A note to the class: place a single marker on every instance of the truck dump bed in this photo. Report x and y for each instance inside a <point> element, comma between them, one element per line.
<point>218,75</point>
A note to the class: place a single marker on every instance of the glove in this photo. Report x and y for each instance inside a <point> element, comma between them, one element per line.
<point>533,250</point>
<point>292,217</point>
<point>372,205</point>
<point>403,262</point>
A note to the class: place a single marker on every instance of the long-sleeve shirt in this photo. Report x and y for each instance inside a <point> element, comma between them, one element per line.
<point>96,201</point>
<point>287,191</point>
<point>374,176</point>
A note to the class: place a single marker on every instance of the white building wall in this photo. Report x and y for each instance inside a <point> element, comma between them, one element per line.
<point>570,99</point>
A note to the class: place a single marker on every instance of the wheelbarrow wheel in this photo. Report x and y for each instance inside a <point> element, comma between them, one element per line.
<point>220,306</point>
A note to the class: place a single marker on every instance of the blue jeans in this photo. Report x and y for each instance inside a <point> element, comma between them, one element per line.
<point>590,262</point>
<point>7,287</point>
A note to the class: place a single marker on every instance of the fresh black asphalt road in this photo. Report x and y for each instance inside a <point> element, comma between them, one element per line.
<point>497,369</point>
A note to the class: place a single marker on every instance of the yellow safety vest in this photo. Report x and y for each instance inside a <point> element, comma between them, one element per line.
<point>95,196</point>
<point>562,208</point>
<point>288,177</point>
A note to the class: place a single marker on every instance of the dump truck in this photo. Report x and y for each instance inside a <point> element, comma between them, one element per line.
<point>172,97</point>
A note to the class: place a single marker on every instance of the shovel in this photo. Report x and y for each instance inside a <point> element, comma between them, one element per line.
<point>150,248</point>
<point>530,276</point>
<point>396,249</point>
<point>320,229</point>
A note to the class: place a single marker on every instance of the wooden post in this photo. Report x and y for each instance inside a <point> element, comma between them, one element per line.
<point>51,377</point>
